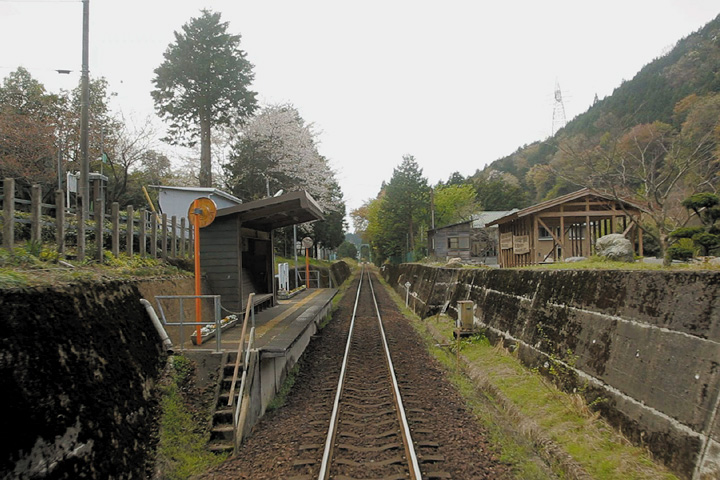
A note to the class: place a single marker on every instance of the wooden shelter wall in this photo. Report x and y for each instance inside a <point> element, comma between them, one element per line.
<point>221,261</point>
<point>519,227</point>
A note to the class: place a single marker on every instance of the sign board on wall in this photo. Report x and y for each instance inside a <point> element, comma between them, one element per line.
<point>521,244</point>
<point>506,241</point>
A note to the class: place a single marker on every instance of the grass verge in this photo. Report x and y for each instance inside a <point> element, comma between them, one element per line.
<point>34,264</point>
<point>599,263</point>
<point>527,416</point>
<point>182,450</point>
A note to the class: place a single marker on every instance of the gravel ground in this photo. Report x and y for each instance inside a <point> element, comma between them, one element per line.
<point>454,441</point>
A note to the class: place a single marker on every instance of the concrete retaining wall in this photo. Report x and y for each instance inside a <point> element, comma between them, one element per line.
<point>78,366</point>
<point>643,347</point>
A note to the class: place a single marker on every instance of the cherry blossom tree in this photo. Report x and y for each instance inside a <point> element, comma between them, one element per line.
<point>277,150</point>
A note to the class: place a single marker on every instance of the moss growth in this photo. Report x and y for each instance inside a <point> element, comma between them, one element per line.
<point>563,418</point>
<point>34,264</point>
<point>182,450</point>
<point>281,397</point>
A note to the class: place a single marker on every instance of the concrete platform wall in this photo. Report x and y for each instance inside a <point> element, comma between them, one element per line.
<point>642,346</point>
<point>273,368</point>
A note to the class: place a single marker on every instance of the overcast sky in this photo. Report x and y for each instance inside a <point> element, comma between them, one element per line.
<point>457,84</point>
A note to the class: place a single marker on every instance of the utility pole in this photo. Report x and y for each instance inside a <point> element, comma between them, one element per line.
<point>84,187</point>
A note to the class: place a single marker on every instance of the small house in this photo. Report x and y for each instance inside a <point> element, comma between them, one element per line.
<point>472,240</point>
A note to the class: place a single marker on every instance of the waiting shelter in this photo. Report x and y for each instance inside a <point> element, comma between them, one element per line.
<point>563,227</point>
<point>236,249</point>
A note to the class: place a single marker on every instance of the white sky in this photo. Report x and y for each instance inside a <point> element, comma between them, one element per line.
<point>455,83</point>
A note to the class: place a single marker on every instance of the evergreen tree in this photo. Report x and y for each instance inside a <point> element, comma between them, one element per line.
<point>404,208</point>
<point>203,82</point>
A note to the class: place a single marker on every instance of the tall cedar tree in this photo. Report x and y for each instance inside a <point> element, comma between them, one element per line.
<point>405,206</point>
<point>202,83</point>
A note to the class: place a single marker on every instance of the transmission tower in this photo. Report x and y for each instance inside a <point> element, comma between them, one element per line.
<point>558,120</point>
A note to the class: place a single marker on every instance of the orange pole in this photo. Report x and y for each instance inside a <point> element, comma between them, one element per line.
<point>307,268</point>
<point>198,310</point>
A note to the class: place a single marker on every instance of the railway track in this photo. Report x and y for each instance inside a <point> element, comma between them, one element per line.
<point>290,442</point>
<point>362,428</point>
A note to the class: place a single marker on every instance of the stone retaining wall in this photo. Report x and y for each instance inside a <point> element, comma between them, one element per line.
<point>78,369</point>
<point>642,347</point>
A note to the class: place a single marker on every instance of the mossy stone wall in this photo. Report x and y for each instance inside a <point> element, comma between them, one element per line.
<point>643,347</point>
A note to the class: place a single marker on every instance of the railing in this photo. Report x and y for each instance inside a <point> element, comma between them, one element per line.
<point>241,408</point>
<point>248,310</point>
<point>182,323</point>
<point>314,278</point>
<point>173,238</point>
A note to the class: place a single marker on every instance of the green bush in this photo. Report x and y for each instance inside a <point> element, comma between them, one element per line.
<point>679,252</point>
<point>686,232</point>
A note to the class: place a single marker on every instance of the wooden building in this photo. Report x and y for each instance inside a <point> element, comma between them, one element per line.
<point>471,241</point>
<point>236,249</point>
<point>564,227</point>
<point>450,241</point>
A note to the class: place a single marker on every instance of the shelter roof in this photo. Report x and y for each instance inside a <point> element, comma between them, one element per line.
<point>275,212</point>
<point>577,195</point>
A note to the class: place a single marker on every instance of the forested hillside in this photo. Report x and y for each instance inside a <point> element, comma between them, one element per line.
<point>655,142</point>
<point>674,89</point>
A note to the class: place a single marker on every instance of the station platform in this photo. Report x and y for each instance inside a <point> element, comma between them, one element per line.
<point>277,329</point>
<point>282,333</point>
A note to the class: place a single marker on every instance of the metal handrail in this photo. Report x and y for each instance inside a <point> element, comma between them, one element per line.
<point>217,322</point>
<point>250,307</point>
<point>243,381</point>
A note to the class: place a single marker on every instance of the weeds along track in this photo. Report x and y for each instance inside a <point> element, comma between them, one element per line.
<point>300,442</point>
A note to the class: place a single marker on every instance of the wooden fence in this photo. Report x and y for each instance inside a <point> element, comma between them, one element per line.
<point>148,235</point>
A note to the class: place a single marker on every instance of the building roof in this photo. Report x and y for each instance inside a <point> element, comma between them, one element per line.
<point>479,220</point>
<point>555,202</point>
<point>482,219</point>
<point>275,212</point>
<point>208,191</point>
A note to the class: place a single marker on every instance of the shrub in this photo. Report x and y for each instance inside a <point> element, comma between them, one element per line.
<point>679,252</point>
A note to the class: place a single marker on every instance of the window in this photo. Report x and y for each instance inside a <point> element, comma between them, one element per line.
<point>453,243</point>
<point>543,234</point>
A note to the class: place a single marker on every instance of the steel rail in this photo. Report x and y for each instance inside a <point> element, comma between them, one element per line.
<point>327,452</point>
<point>413,464</point>
<point>405,431</point>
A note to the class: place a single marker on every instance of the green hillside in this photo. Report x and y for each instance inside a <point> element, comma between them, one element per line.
<point>680,89</point>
